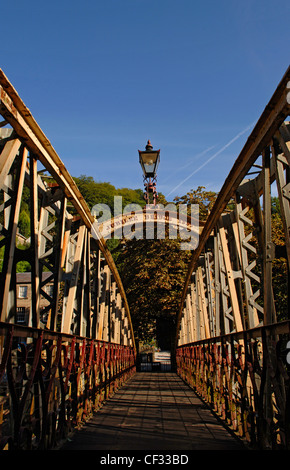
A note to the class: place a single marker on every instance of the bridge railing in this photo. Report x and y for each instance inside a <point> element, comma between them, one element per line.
<point>244,377</point>
<point>59,286</point>
<point>52,383</point>
<point>237,287</point>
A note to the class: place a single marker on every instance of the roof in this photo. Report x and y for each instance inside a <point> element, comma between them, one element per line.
<point>25,278</point>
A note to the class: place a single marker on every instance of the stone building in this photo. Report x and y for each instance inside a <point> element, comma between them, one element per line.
<point>23,294</point>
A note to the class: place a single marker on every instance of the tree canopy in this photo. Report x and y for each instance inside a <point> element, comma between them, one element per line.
<point>95,192</point>
<point>153,274</point>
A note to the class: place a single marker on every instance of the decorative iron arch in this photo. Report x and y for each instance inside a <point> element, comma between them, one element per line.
<point>171,222</point>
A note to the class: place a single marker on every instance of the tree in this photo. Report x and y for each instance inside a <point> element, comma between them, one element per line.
<point>204,199</point>
<point>103,193</point>
<point>24,221</point>
<point>153,273</point>
<point>279,265</point>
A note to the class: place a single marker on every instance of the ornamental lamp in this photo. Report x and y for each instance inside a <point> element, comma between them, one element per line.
<point>149,161</point>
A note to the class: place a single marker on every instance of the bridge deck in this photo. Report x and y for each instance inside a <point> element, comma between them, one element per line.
<point>153,411</point>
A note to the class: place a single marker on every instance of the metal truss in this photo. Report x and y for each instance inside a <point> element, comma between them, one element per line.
<point>227,347</point>
<point>64,250</point>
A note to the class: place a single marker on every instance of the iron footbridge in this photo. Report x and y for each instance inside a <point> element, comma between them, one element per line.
<point>68,357</point>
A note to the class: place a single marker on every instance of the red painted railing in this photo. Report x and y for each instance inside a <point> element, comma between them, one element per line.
<point>51,383</point>
<point>245,379</point>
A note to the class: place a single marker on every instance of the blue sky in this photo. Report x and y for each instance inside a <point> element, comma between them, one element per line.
<point>103,77</point>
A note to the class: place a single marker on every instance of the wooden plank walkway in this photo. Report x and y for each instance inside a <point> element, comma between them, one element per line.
<point>153,411</point>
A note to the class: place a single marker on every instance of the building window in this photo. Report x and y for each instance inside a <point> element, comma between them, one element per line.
<point>23,290</point>
<point>20,314</point>
<point>49,290</point>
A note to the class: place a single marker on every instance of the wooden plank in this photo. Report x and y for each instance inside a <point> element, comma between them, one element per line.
<point>204,321</point>
<point>67,316</point>
<point>217,286</point>
<point>8,262</point>
<point>126,331</point>
<point>58,265</point>
<point>106,324</point>
<point>240,236</point>
<point>7,157</point>
<point>114,313</point>
<point>210,292</point>
<point>268,247</point>
<point>102,313</point>
<point>87,287</point>
<point>118,318</point>
<point>96,293</point>
<point>122,325</point>
<point>194,311</point>
<point>231,282</point>
<point>189,318</point>
<point>35,282</point>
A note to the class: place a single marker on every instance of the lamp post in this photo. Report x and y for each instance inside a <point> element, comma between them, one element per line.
<point>149,161</point>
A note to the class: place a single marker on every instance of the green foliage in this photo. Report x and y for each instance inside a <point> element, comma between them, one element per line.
<point>279,265</point>
<point>24,222</point>
<point>153,274</point>
<point>22,266</point>
<point>204,199</point>
<point>24,216</point>
<point>103,193</point>
<point>275,205</point>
